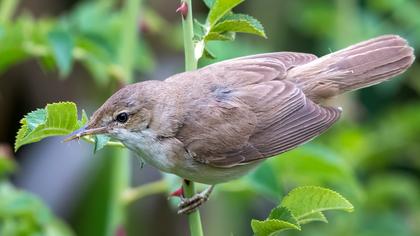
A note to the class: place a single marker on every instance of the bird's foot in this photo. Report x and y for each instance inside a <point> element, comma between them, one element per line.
<point>188,205</point>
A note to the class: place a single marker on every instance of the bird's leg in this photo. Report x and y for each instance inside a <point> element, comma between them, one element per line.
<point>188,205</point>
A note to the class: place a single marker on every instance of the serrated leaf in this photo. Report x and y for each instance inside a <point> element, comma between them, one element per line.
<point>271,227</point>
<point>316,216</point>
<point>61,119</point>
<point>226,36</point>
<point>304,201</point>
<point>240,23</point>
<point>100,142</point>
<point>302,205</point>
<point>220,8</point>
<point>284,214</point>
<point>35,118</point>
<point>62,48</point>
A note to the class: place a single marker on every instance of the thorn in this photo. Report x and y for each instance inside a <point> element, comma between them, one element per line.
<point>183,9</point>
<point>120,231</point>
<point>177,193</point>
<point>144,26</point>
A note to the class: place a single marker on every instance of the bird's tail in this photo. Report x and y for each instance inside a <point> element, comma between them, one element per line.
<point>358,66</point>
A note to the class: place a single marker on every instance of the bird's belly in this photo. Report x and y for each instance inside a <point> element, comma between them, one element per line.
<point>172,160</point>
<point>192,170</point>
<point>206,174</point>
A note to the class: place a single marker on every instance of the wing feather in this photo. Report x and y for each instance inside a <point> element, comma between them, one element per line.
<point>241,110</point>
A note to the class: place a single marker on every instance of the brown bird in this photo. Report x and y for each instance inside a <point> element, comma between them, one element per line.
<point>215,124</point>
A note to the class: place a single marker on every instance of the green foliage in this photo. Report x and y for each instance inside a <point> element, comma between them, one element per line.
<point>55,119</point>
<point>264,181</point>
<point>7,166</point>
<point>62,47</point>
<point>90,35</point>
<point>220,8</point>
<point>100,142</point>
<point>22,213</point>
<point>222,24</point>
<point>382,151</point>
<point>302,205</point>
<point>304,201</point>
<point>239,23</point>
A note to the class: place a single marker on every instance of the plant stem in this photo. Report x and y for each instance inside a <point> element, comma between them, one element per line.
<point>120,173</point>
<point>134,194</point>
<point>131,12</point>
<point>194,219</point>
<point>188,34</point>
<point>7,9</point>
<point>120,181</point>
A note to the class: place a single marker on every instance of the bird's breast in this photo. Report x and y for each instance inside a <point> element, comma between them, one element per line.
<point>170,156</point>
<point>149,148</point>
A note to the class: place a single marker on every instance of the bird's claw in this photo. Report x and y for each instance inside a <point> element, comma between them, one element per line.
<point>189,205</point>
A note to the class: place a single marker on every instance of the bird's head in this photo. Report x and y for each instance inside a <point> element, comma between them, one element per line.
<point>123,114</point>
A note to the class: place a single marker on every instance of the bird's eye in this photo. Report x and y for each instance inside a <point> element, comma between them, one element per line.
<point>122,117</point>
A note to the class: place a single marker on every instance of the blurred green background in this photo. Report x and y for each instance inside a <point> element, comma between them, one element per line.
<point>66,50</point>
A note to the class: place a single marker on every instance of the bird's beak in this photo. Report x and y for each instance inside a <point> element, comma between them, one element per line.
<point>85,130</point>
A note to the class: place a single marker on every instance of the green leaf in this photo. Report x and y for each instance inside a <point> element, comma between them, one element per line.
<point>35,117</point>
<point>265,181</point>
<point>320,165</point>
<point>302,205</point>
<point>220,8</point>
<point>271,227</point>
<point>100,142</point>
<point>208,54</point>
<point>316,216</point>
<point>7,165</point>
<point>62,47</point>
<point>209,3</point>
<point>279,219</point>
<point>304,201</point>
<point>22,213</point>
<point>61,119</point>
<point>199,30</point>
<point>83,120</point>
<point>225,36</point>
<point>282,213</point>
<point>239,23</point>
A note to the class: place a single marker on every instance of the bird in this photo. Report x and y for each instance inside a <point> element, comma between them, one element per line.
<point>219,122</point>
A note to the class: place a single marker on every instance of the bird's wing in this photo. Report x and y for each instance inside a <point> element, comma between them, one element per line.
<point>257,121</point>
<point>241,110</point>
<point>247,70</point>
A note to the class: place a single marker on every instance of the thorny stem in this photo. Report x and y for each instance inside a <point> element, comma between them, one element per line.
<point>194,219</point>
<point>188,34</point>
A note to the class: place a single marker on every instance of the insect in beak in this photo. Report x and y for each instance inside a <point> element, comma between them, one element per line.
<point>85,130</point>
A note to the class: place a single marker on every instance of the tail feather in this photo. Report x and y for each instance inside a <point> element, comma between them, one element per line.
<point>358,66</point>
